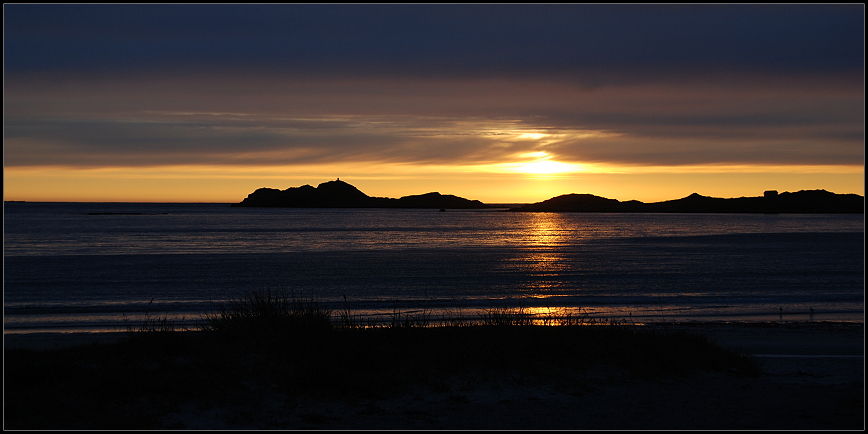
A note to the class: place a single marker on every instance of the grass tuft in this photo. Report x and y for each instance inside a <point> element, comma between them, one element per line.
<point>267,314</point>
<point>153,324</point>
<point>506,317</point>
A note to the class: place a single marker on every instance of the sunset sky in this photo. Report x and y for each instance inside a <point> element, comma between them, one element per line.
<point>500,103</point>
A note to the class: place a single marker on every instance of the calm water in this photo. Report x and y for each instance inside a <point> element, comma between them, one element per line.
<point>84,266</point>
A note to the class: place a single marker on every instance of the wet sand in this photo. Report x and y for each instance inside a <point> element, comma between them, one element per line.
<point>813,378</point>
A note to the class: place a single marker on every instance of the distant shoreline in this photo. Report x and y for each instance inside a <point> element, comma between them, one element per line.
<point>339,194</point>
<point>771,202</point>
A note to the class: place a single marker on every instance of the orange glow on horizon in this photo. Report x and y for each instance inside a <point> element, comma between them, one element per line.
<point>495,183</point>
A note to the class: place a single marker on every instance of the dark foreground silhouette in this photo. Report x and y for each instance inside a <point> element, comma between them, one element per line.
<point>804,201</point>
<point>339,194</point>
<point>271,360</point>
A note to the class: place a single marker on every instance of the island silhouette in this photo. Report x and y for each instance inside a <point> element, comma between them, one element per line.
<point>803,201</point>
<point>339,194</point>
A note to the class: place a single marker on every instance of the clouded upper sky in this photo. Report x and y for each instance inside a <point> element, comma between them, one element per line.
<point>502,103</point>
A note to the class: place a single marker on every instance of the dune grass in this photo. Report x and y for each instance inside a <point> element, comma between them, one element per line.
<point>265,314</point>
<point>290,345</point>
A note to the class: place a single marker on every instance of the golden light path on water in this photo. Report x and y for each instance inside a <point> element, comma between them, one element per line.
<point>546,264</point>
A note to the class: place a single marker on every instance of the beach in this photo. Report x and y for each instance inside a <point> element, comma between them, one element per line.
<point>812,378</point>
<point>434,217</point>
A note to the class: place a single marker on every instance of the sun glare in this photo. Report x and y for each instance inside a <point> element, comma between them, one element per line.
<point>542,164</point>
<point>545,167</point>
<point>534,136</point>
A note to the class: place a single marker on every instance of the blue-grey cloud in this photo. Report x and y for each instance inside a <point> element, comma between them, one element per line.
<point>594,43</point>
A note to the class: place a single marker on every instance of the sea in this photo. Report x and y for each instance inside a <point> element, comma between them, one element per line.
<point>104,267</point>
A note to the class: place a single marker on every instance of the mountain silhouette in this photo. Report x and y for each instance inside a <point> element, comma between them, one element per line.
<point>339,194</point>
<point>803,201</point>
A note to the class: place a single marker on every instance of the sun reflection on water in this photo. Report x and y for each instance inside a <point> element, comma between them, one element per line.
<point>541,259</point>
<point>546,230</point>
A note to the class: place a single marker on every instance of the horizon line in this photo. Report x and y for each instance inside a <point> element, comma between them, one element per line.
<point>5,201</point>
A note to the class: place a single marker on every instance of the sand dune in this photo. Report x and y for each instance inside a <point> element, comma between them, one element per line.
<point>813,378</point>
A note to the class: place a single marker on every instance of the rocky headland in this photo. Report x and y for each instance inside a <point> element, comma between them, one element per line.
<point>804,201</point>
<point>339,194</point>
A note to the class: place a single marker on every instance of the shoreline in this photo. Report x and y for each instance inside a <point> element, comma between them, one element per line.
<point>829,338</point>
<point>441,316</point>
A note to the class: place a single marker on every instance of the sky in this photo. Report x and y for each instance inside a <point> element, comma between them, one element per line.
<point>498,103</point>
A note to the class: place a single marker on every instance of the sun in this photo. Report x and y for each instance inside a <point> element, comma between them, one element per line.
<point>544,167</point>
<point>538,164</point>
<point>542,164</point>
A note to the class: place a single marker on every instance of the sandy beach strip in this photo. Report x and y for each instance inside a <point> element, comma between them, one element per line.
<point>783,338</point>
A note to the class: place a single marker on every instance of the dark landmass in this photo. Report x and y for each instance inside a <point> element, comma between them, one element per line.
<point>339,194</point>
<point>423,378</point>
<point>105,386</point>
<point>804,201</point>
<point>271,360</point>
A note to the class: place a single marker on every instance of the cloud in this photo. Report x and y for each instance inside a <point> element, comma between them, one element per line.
<point>595,43</point>
<point>257,85</point>
<point>264,120</point>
